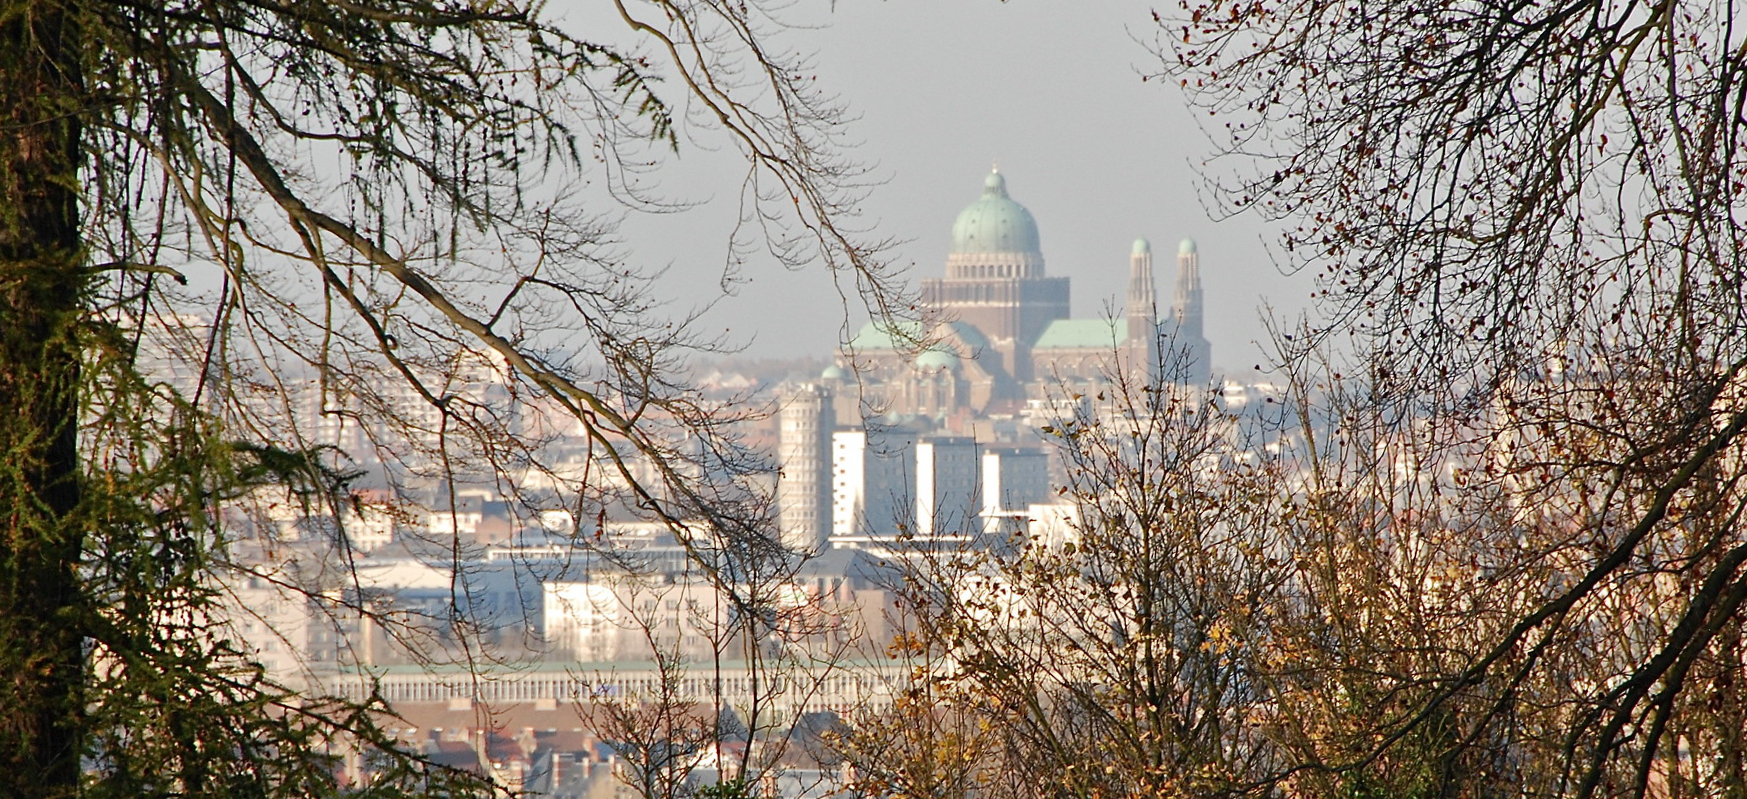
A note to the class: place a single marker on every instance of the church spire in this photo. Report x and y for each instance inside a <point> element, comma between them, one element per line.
<point>1143,299</point>
<point>1187,305</point>
<point>1190,343</point>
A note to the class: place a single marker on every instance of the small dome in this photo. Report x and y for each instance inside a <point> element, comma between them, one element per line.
<point>1142,246</point>
<point>995,223</point>
<point>1187,247</point>
<point>832,372</point>
<point>935,360</point>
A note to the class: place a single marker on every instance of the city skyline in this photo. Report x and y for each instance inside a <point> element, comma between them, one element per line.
<point>1099,156</point>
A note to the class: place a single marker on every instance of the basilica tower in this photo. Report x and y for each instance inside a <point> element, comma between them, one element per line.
<point>1192,356</point>
<point>1142,305</point>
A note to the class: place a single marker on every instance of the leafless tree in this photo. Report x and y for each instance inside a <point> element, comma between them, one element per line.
<point>1131,652</point>
<point>1524,222</point>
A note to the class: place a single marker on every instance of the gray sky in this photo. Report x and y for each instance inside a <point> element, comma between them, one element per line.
<point>1049,89</point>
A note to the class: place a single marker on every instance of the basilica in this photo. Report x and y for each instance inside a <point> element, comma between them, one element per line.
<point>996,331</point>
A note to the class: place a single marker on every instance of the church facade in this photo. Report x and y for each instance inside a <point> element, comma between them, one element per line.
<point>996,329</point>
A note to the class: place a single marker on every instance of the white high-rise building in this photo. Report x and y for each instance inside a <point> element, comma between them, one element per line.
<point>804,454</point>
<point>1014,478</point>
<point>871,482</point>
<point>887,483</point>
<point>848,482</point>
<point>946,486</point>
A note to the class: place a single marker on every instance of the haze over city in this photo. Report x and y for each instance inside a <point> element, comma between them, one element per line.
<point>410,398</point>
<point>937,94</point>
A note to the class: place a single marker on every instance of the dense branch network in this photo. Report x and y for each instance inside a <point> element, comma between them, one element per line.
<point>376,215</point>
<point>1525,222</point>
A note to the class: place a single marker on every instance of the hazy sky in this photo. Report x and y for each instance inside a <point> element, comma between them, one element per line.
<point>1052,91</point>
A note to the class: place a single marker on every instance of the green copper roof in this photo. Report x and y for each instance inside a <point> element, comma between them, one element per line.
<point>880,336</point>
<point>995,223</point>
<point>1083,334</point>
<point>936,359</point>
<point>1142,246</point>
<point>1187,247</point>
<point>832,372</point>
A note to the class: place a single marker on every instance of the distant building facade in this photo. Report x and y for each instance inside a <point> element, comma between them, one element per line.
<point>804,484</point>
<point>890,482</point>
<point>998,333</point>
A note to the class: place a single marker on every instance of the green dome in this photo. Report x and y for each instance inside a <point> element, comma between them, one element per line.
<point>934,360</point>
<point>1187,247</point>
<point>832,372</point>
<point>994,223</point>
<point>1142,246</point>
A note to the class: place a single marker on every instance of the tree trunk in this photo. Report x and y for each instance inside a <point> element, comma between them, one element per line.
<point>41,645</point>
